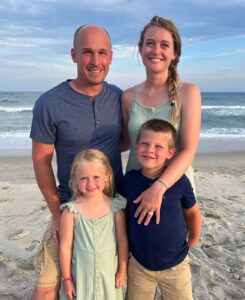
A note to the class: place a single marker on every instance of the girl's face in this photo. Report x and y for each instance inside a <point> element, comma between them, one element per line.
<point>158,49</point>
<point>91,178</point>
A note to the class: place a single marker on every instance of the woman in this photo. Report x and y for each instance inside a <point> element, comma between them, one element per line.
<point>162,95</point>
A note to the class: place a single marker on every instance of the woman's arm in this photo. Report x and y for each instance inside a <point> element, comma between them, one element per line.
<point>122,247</point>
<point>66,244</point>
<point>190,106</point>
<point>126,101</point>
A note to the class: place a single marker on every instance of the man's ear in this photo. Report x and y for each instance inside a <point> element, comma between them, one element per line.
<point>171,153</point>
<point>73,55</point>
<point>111,56</point>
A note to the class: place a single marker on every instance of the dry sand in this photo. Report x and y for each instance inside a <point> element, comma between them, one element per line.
<point>217,262</point>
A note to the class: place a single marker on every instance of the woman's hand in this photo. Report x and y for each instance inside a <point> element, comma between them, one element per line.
<point>150,202</point>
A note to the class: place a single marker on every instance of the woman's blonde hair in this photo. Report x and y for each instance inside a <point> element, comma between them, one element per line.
<point>91,155</point>
<point>173,73</point>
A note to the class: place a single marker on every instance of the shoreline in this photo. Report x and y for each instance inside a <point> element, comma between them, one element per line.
<point>216,261</point>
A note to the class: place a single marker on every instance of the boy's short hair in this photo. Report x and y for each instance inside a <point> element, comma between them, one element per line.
<point>158,125</point>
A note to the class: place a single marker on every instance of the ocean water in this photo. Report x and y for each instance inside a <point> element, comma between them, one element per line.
<point>223,122</point>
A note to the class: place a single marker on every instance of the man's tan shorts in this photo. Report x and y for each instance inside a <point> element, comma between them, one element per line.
<point>47,261</point>
<point>174,283</point>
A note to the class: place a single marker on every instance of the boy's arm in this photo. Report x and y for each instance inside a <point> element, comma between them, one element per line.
<point>66,244</point>
<point>122,247</point>
<point>193,221</point>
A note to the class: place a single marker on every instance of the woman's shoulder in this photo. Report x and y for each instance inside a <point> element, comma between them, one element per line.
<point>129,94</point>
<point>185,87</point>
<point>187,91</point>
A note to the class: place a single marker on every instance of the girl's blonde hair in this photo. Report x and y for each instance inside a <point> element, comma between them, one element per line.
<point>91,155</point>
<point>173,73</point>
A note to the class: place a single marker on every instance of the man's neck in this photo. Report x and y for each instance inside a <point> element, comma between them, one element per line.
<point>91,90</point>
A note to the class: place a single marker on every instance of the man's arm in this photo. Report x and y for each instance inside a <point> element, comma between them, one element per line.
<point>42,155</point>
<point>193,221</point>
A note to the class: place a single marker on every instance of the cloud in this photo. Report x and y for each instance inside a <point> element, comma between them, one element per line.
<point>230,53</point>
<point>13,43</point>
<point>19,63</point>
<point>122,51</point>
<point>38,34</point>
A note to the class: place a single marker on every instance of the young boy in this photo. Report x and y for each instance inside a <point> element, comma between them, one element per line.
<point>159,251</point>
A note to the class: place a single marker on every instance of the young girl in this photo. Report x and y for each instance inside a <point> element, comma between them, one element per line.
<point>93,233</point>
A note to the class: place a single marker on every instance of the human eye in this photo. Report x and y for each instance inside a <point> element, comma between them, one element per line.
<point>164,45</point>
<point>159,146</point>
<point>86,51</point>
<point>149,43</point>
<point>103,52</point>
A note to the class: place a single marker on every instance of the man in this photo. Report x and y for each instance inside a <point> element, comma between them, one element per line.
<point>77,114</point>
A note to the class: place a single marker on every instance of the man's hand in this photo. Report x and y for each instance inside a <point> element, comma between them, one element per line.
<point>56,227</point>
<point>150,202</point>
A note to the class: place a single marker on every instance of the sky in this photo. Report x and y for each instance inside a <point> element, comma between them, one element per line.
<point>36,37</point>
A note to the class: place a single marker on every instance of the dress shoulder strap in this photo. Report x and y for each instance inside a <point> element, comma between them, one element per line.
<point>179,85</point>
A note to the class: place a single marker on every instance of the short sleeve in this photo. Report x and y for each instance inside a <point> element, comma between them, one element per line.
<point>118,203</point>
<point>70,206</point>
<point>188,199</point>
<point>43,128</point>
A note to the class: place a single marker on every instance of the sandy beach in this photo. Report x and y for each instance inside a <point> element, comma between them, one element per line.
<point>217,262</point>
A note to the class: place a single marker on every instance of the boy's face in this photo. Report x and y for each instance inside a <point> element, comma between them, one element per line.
<point>152,150</point>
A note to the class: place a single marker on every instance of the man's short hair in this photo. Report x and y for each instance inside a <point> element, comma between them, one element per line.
<point>87,25</point>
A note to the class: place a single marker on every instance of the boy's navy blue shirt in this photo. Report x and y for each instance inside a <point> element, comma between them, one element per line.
<point>158,246</point>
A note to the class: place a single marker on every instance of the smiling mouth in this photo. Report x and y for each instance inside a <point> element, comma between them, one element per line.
<point>148,157</point>
<point>97,71</point>
<point>90,190</point>
<point>155,59</point>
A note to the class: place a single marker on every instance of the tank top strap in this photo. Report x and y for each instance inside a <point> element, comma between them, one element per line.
<point>179,85</point>
<point>134,93</point>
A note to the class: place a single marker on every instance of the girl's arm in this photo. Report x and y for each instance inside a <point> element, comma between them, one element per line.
<point>193,221</point>
<point>122,247</point>
<point>66,244</point>
<point>190,106</point>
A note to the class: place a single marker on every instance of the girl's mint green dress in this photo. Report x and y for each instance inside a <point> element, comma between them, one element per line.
<point>95,259</point>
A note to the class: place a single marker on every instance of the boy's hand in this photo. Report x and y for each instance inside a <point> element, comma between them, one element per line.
<point>151,200</point>
<point>69,289</point>
<point>192,240</point>
<point>120,279</point>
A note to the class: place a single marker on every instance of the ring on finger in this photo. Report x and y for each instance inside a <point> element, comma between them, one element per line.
<point>150,213</point>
